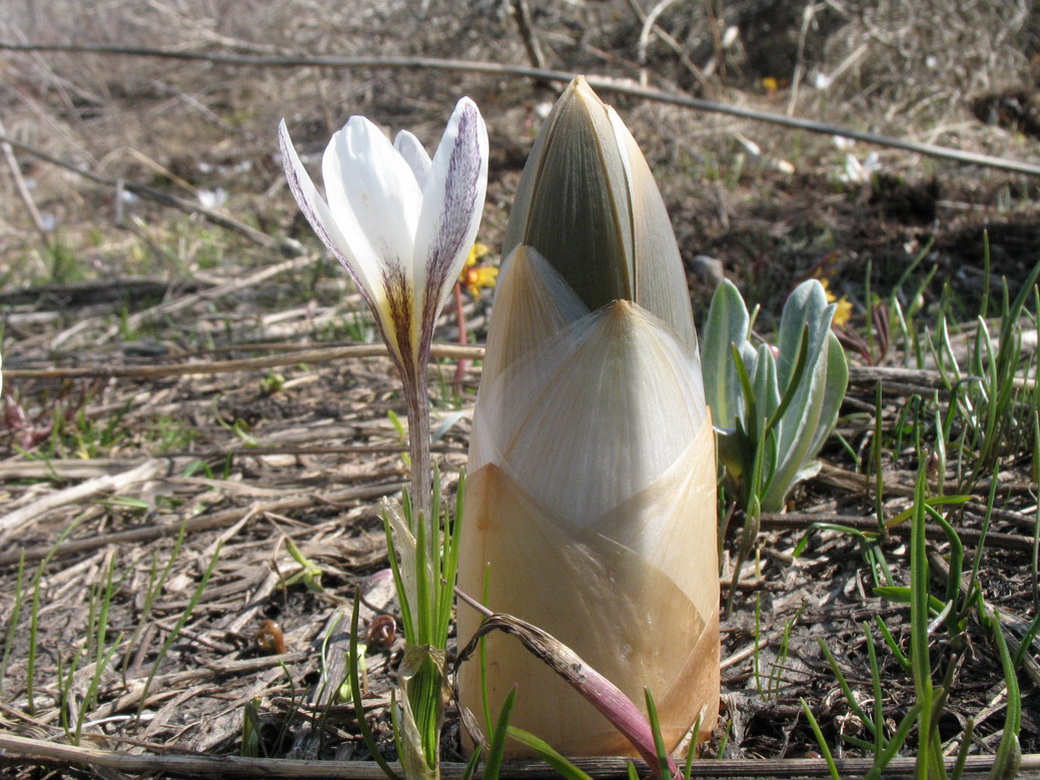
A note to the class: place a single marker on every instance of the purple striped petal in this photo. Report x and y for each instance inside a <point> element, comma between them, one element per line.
<point>453,202</point>
<point>318,213</point>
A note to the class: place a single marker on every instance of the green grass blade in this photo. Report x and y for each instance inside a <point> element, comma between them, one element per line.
<point>355,695</point>
<point>1009,751</point>
<point>902,731</point>
<point>663,772</point>
<point>844,685</point>
<point>893,646</point>
<point>14,618</point>
<point>472,764</point>
<point>691,751</point>
<point>498,739</point>
<point>824,749</point>
<point>182,620</point>
<point>548,754</point>
<point>963,750</point>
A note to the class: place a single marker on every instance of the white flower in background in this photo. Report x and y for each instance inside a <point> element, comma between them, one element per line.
<point>400,223</point>
<point>212,199</point>
<point>852,170</point>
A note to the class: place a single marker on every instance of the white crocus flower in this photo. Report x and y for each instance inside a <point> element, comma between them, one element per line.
<point>400,223</point>
<point>590,505</point>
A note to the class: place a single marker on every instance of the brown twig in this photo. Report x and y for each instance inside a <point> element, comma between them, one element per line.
<point>798,521</point>
<point>195,524</point>
<point>225,366</point>
<point>287,246</point>
<point>522,17</point>
<point>918,379</point>
<point>46,753</point>
<point>606,84</point>
<point>12,521</point>
<point>23,189</point>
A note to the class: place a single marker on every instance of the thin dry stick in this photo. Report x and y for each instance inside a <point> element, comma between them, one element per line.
<point>213,293</point>
<point>12,521</point>
<point>522,16</point>
<point>201,523</point>
<point>23,189</point>
<point>246,364</point>
<point>288,246</point>
<point>606,84</point>
<point>914,377</point>
<point>799,66</point>
<point>644,34</point>
<point>45,753</point>
<point>672,44</point>
<point>797,521</point>
<point>917,378</point>
<point>77,468</point>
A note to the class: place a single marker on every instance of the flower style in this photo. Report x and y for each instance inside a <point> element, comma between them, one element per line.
<point>400,223</point>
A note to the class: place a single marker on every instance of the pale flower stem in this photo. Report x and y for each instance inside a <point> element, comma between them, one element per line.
<point>418,400</point>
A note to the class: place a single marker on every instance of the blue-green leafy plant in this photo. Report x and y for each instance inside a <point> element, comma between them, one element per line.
<point>772,409</point>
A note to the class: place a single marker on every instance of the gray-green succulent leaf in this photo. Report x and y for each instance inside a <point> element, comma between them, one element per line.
<point>794,399</point>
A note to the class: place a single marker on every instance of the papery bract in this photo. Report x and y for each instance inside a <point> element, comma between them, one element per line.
<point>590,508</point>
<point>591,500</point>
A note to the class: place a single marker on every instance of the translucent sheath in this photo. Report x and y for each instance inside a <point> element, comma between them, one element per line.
<point>590,509</point>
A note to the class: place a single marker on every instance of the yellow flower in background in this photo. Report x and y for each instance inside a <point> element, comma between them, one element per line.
<point>843,313</point>
<point>476,275</point>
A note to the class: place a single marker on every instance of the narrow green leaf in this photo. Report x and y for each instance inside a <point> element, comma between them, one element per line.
<point>824,749</point>
<point>663,771</point>
<point>844,685</point>
<point>497,748</point>
<point>902,731</point>
<point>355,694</point>
<point>471,766</point>
<point>1009,751</point>
<point>548,754</point>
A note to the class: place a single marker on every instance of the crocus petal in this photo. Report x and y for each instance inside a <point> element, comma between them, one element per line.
<point>369,185</point>
<point>357,255</point>
<point>415,154</point>
<point>375,198</point>
<point>452,205</point>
